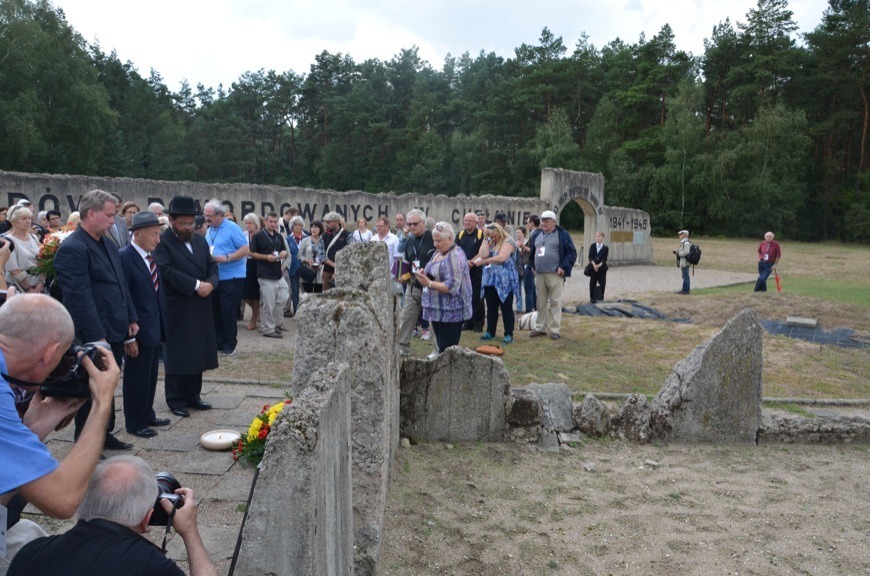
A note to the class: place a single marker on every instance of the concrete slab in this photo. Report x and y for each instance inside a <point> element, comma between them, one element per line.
<point>223,402</point>
<point>235,486</point>
<point>801,321</point>
<point>170,440</point>
<point>203,462</point>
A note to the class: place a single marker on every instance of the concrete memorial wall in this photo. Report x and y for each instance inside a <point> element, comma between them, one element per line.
<point>626,231</point>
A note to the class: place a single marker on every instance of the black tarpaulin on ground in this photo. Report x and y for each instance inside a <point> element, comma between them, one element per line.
<point>620,309</point>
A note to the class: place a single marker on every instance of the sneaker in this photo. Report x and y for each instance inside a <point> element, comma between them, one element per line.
<point>415,333</point>
<point>554,336</point>
<point>275,334</point>
<point>536,333</point>
<point>426,335</point>
<point>229,352</point>
<point>487,336</point>
<point>507,339</point>
<point>433,355</point>
<point>477,329</point>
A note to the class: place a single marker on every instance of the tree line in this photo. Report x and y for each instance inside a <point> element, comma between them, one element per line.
<point>762,131</point>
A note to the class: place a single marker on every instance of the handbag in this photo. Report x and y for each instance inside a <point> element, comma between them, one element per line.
<point>588,270</point>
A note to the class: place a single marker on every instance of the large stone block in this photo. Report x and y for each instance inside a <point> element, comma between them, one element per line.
<point>299,521</point>
<point>557,412</point>
<point>592,417</point>
<point>632,420</point>
<point>344,325</point>
<point>458,397</point>
<point>714,394</point>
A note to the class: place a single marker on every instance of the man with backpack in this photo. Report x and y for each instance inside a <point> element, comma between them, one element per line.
<point>683,260</point>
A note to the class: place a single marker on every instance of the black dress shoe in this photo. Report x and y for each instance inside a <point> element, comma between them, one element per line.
<point>160,422</point>
<point>113,443</point>
<point>144,433</point>
<point>200,405</point>
<point>180,412</point>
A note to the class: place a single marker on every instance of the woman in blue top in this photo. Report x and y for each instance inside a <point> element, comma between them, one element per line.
<point>500,280</point>
<point>446,298</point>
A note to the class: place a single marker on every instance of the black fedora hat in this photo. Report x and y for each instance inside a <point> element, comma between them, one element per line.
<point>182,206</point>
<point>143,220</point>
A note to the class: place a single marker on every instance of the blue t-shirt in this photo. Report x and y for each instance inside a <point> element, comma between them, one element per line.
<point>226,239</point>
<point>24,458</point>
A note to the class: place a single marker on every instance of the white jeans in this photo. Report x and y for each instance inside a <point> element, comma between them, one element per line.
<point>273,296</point>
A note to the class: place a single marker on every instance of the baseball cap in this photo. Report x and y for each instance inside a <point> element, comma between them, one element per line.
<point>681,232</point>
<point>548,215</point>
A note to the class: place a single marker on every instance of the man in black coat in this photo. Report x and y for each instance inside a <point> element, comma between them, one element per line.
<point>598,260</point>
<point>143,353</point>
<point>189,275</point>
<point>95,294</point>
<point>469,239</point>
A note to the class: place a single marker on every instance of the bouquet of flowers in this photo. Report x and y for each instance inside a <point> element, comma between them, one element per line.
<point>48,250</point>
<point>251,446</point>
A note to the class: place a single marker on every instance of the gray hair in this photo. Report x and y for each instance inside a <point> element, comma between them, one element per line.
<point>253,217</point>
<point>95,200</point>
<point>430,223</point>
<point>35,321</point>
<point>42,214</point>
<point>157,205</point>
<point>18,212</point>
<point>296,220</point>
<point>122,489</point>
<point>415,212</point>
<point>216,205</point>
<point>444,230</point>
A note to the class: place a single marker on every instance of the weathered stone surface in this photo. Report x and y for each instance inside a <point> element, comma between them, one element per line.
<point>523,408</point>
<point>632,420</point>
<point>458,397</point>
<point>801,321</point>
<point>592,417</point>
<point>358,328</point>
<point>820,430</point>
<point>300,519</point>
<point>557,412</point>
<point>714,394</point>
<point>569,437</point>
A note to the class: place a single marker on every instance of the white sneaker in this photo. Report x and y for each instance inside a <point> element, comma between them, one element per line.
<point>433,355</point>
<point>426,335</point>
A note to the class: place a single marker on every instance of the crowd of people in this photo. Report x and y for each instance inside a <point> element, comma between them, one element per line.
<point>133,282</point>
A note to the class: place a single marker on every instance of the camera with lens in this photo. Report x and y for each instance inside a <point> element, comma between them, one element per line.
<point>167,484</point>
<point>69,379</point>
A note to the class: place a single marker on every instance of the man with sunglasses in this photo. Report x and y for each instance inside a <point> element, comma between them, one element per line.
<point>418,250</point>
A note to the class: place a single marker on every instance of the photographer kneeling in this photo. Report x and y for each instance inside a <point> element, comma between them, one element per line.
<point>35,333</point>
<point>116,509</point>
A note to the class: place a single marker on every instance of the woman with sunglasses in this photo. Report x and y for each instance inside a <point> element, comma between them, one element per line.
<point>500,281</point>
<point>446,298</point>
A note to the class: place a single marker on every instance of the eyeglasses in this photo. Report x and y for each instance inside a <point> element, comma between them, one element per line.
<point>414,223</point>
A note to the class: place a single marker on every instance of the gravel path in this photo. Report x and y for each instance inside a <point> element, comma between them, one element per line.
<point>625,281</point>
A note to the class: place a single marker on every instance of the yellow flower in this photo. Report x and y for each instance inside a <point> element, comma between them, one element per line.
<point>254,430</point>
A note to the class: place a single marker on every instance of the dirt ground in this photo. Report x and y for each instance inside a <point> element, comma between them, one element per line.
<point>598,509</point>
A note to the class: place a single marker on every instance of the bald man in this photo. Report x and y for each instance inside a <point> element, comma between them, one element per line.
<point>469,239</point>
<point>35,332</point>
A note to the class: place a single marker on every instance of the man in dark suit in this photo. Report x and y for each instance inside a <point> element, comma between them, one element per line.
<point>189,275</point>
<point>143,353</point>
<point>598,260</point>
<point>95,294</point>
<point>118,231</point>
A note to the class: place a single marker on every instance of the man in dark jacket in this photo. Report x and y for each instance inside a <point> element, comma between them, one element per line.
<point>90,274</point>
<point>598,260</point>
<point>469,239</point>
<point>553,256</point>
<point>189,275</point>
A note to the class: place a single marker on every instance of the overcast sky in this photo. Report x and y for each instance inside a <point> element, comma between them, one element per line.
<point>215,41</point>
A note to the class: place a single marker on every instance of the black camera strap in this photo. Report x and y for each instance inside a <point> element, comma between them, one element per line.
<point>18,382</point>
<point>168,536</point>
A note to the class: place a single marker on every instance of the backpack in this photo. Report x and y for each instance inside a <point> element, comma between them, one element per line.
<point>694,255</point>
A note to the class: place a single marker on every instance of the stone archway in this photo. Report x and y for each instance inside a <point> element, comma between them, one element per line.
<point>626,231</point>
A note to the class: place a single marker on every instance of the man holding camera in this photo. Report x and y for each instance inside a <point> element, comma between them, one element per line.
<point>116,510</point>
<point>35,333</point>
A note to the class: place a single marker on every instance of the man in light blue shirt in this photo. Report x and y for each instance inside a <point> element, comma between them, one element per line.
<point>229,248</point>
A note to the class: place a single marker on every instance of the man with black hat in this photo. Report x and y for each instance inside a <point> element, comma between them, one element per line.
<point>188,275</point>
<point>143,353</point>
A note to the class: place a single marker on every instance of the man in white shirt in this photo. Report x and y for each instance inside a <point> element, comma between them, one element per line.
<point>383,234</point>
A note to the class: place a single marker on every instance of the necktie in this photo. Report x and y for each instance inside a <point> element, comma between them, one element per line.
<point>152,267</point>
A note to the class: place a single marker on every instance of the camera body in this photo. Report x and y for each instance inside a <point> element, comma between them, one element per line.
<point>69,379</point>
<point>4,241</point>
<point>167,484</point>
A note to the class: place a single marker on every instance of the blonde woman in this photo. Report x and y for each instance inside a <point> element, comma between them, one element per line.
<point>251,289</point>
<point>500,282</point>
<point>74,219</point>
<point>23,258</point>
